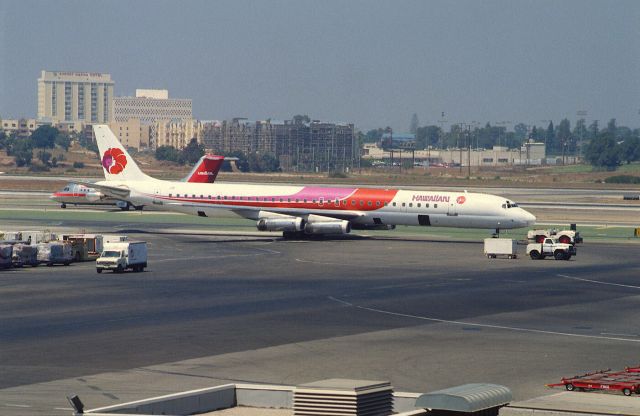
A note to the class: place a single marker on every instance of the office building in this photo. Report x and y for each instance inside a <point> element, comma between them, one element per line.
<point>150,106</point>
<point>298,145</point>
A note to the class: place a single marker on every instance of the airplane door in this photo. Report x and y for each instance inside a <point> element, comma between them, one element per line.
<point>452,209</point>
<point>156,197</point>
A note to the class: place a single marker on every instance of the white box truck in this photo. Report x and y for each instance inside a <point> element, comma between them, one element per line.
<point>494,247</point>
<point>123,255</point>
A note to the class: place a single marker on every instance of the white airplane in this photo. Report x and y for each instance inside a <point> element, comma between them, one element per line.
<point>299,210</point>
<point>205,171</point>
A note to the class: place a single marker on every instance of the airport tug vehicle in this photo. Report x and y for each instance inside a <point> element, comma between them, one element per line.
<point>551,247</point>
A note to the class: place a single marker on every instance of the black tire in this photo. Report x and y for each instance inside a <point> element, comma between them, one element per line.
<point>99,270</point>
<point>66,263</point>
<point>534,254</point>
<point>63,206</point>
<point>559,255</point>
<point>77,256</point>
<point>567,257</point>
<point>119,269</point>
<point>626,392</point>
<point>569,387</point>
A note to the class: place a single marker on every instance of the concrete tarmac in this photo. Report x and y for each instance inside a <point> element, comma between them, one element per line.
<point>423,313</point>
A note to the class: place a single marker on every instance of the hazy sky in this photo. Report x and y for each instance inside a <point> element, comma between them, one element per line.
<point>373,63</point>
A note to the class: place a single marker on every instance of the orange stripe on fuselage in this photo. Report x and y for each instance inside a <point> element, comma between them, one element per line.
<point>363,199</point>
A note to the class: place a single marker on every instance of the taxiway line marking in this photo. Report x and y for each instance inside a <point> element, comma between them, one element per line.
<point>504,327</point>
<point>597,281</point>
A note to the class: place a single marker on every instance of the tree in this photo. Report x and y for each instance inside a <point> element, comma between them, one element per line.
<point>44,157</point>
<point>603,152</point>
<point>169,153</point>
<point>63,140</point>
<point>413,127</point>
<point>299,119</point>
<point>373,136</point>
<point>192,152</point>
<point>428,136</point>
<point>563,136</point>
<point>631,149</point>
<point>580,130</point>
<point>611,127</point>
<point>520,131</point>
<point>44,137</point>
<point>22,152</point>
<point>593,129</point>
<point>550,138</point>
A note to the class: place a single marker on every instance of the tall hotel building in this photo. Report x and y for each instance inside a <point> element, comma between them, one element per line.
<point>75,97</point>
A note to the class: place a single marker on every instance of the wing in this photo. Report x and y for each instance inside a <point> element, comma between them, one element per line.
<point>116,192</point>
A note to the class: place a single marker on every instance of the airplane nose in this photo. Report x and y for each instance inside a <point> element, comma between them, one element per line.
<point>529,218</point>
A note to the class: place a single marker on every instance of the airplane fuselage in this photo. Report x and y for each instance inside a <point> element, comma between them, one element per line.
<point>360,206</point>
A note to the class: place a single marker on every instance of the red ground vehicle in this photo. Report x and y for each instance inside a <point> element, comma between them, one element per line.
<point>626,381</point>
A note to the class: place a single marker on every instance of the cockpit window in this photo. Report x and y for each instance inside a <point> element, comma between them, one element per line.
<point>510,204</point>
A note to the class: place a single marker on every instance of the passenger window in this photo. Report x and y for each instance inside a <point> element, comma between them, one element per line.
<point>353,202</point>
<point>313,201</point>
<point>201,196</point>
<point>297,200</point>
<point>281,200</point>
<point>170,195</point>
<point>361,203</point>
<point>377,203</point>
<point>369,203</point>
<point>273,200</point>
<point>404,204</point>
<point>209,196</point>
<point>418,204</point>
<point>386,203</point>
<point>344,202</point>
<point>410,204</point>
<point>394,204</point>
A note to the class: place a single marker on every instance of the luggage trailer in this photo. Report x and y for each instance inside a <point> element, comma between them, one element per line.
<point>626,381</point>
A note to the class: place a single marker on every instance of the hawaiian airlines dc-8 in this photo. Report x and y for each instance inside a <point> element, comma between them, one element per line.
<point>302,210</point>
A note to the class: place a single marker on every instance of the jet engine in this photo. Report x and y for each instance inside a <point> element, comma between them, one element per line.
<point>328,227</point>
<point>94,196</point>
<point>281,224</point>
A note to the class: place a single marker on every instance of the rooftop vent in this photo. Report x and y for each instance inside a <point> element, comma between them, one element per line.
<point>343,397</point>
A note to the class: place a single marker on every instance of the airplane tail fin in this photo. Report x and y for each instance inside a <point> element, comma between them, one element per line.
<point>206,170</point>
<point>117,164</point>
